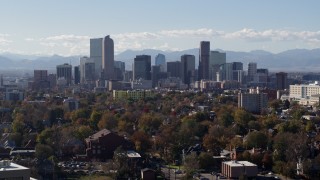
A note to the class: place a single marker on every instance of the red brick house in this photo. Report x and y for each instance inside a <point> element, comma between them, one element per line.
<point>102,144</point>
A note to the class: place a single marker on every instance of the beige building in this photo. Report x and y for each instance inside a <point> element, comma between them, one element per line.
<point>234,169</point>
<point>137,94</point>
<point>304,90</point>
<point>306,94</point>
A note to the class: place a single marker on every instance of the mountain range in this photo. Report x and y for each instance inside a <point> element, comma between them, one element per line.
<point>301,60</point>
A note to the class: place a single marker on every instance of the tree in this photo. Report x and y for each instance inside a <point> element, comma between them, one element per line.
<point>257,139</point>
<point>95,118</point>
<point>43,151</point>
<point>242,117</point>
<point>191,164</point>
<point>225,117</point>
<point>121,160</point>
<point>107,121</point>
<point>141,141</point>
<point>149,122</point>
<point>83,132</point>
<point>206,160</point>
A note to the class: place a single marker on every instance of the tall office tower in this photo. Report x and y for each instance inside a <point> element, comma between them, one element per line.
<point>226,71</point>
<point>96,55</point>
<point>65,71</point>
<point>174,69</point>
<point>121,65</point>
<point>87,69</point>
<point>204,55</point>
<point>40,79</point>
<point>108,58</point>
<point>237,68</point>
<point>161,61</point>
<point>77,75</point>
<point>155,73</point>
<point>188,68</point>
<point>119,70</point>
<point>216,60</point>
<point>40,75</point>
<point>252,71</point>
<point>142,67</point>
<point>52,78</point>
<point>282,80</point>
<point>262,77</point>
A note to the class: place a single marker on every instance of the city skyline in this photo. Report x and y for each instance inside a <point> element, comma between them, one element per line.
<point>65,28</point>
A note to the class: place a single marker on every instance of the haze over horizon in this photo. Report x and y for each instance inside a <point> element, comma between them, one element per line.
<point>65,27</point>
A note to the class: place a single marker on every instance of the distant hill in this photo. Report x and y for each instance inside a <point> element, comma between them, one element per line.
<point>291,60</point>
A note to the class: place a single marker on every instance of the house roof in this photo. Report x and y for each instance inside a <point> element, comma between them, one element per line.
<point>147,169</point>
<point>100,133</point>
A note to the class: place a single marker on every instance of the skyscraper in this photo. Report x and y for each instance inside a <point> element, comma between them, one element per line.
<point>237,68</point>
<point>216,60</point>
<point>108,58</point>
<point>174,69</point>
<point>188,68</point>
<point>76,75</point>
<point>204,60</point>
<point>40,79</point>
<point>160,60</point>
<point>87,69</point>
<point>119,70</point>
<point>155,73</point>
<point>252,71</point>
<point>282,80</point>
<point>142,67</point>
<point>64,71</point>
<point>96,55</point>
<point>40,75</point>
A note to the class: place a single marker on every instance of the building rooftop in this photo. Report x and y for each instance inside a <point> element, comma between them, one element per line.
<point>133,154</point>
<point>239,163</point>
<point>9,166</point>
<point>101,133</point>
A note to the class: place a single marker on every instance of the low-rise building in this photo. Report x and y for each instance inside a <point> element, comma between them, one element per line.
<point>135,94</point>
<point>234,169</point>
<point>9,170</point>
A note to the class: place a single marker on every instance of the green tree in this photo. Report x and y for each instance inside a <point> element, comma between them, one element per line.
<point>95,118</point>
<point>242,117</point>
<point>43,151</point>
<point>191,164</point>
<point>83,132</point>
<point>257,139</point>
<point>107,121</point>
<point>206,160</point>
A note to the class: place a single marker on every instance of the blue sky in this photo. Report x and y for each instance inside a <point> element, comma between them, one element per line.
<point>64,27</point>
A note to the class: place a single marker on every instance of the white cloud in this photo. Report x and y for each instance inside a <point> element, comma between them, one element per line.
<point>4,40</point>
<point>136,36</point>
<point>175,39</point>
<point>274,35</point>
<point>203,32</point>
